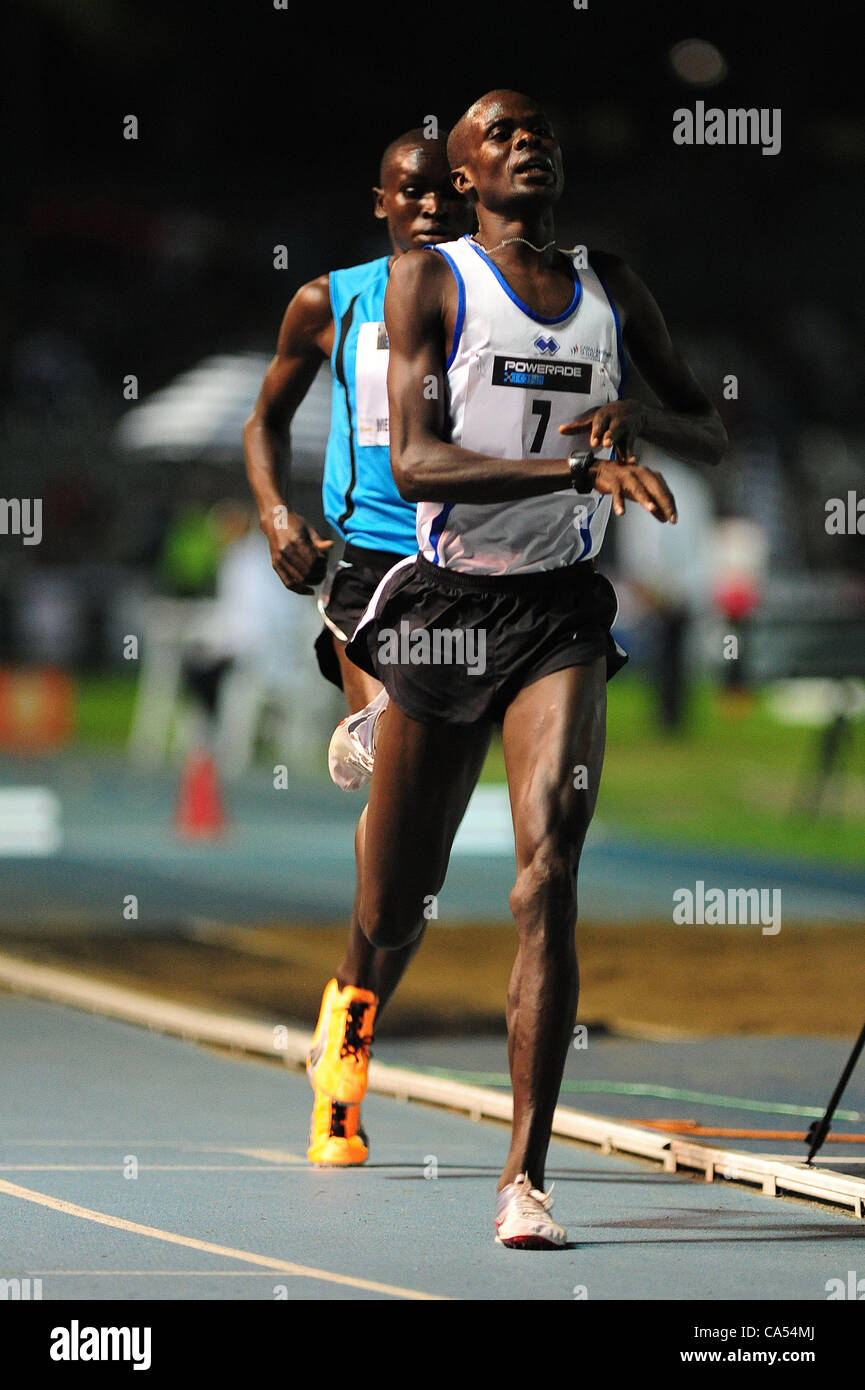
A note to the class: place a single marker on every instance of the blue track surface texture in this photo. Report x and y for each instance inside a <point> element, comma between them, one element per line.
<point>218,1147</point>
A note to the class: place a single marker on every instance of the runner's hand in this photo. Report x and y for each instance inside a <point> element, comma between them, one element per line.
<point>297,551</point>
<point>617,422</point>
<point>630,480</point>
<point>617,425</point>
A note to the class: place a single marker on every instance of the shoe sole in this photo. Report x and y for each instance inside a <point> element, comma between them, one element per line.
<point>529,1243</point>
<point>336,1162</point>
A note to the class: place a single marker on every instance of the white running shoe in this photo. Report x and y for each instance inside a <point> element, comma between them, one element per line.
<point>522,1222</point>
<point>352,746</point>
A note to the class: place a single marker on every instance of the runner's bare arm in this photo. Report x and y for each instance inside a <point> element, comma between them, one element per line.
<point>425,467</point>
<point>296,550</point>
<point>419,313</point>
<point>686,424</point>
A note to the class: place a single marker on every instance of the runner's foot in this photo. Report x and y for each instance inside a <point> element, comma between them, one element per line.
<point>522,1219</point>
<point>352,746</point>
<point>339,1053</point>
<point>336,1137</point>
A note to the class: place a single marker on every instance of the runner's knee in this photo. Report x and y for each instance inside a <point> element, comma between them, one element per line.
<point>391,925</point>
<point>544,896</point>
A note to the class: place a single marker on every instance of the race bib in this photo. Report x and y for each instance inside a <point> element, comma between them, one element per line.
<point>370,385</point>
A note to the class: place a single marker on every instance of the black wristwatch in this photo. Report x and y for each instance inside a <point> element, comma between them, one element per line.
<point>581,462</point>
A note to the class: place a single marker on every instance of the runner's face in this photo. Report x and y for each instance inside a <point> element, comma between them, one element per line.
<point>420,203</point>
<point>514,156</point>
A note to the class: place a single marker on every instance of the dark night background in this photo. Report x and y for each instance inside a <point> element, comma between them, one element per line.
<point>260,126</point>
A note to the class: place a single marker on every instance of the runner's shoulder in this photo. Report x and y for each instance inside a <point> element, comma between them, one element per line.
<point>419,270</point>
<point>312,300</point>
<point>422,283</point>
<point>608,265</point>
<point>623,283</point>
<point>308,315</point>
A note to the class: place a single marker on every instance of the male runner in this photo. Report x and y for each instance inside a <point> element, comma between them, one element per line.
<point>524,346</point>
<point>340,316</point>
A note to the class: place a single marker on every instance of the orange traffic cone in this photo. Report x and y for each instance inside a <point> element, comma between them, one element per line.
<point>200,813</point>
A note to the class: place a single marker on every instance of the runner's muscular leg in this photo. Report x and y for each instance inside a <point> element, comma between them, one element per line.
<point>554,728</point>
<point>423,777</point>
<point>359,687</point>
<point>366,966</point>
<point>363,965</point>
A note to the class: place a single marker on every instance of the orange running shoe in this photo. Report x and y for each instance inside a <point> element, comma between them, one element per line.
<point>335,1134</point>
<point>339,1053</point>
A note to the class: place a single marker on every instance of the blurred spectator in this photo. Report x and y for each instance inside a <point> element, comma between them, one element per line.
<point>190,553</point>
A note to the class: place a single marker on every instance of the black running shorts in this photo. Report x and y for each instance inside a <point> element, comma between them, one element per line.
<point>352,585</point>
<point>456,648</point>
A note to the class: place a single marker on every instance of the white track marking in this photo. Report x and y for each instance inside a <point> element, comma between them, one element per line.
<point>102,1218</point>
<point>150,1167</point>
<point>283,1156</point>
<point>776,1177</point>
<point>154,1273</point>
<point>230,1146</point>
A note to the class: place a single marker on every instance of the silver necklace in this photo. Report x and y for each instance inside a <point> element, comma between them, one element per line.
<point>507,242</point>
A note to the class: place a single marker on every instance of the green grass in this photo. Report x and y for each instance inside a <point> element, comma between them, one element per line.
<point>726,781</point>
<point>733,780</point>
<point>104,709</point>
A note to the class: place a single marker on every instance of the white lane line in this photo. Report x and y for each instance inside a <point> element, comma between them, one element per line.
<point>152,1167</point>
<point>271,1155</point>
<point>270,1158</point>
<point>277,1155</point>
<point>161,1273</point>
<point>479,1102</point>
<point>43,1199</point>
<point>39,1143</point>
